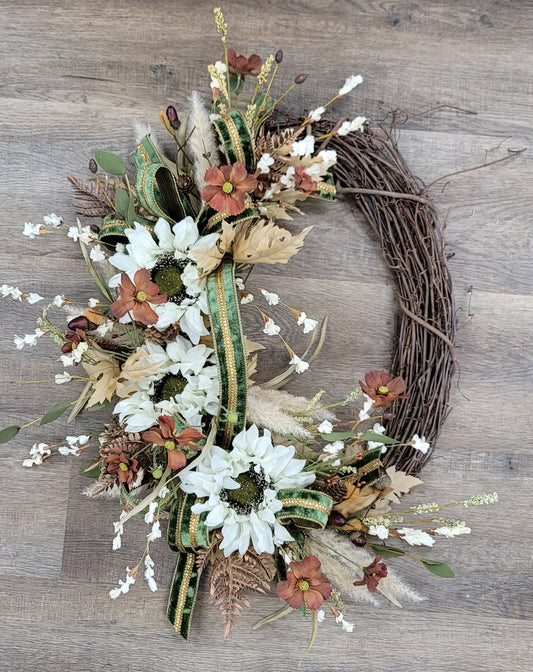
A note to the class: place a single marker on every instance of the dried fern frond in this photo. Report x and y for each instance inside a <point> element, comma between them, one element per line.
<point>95,196</point>
<point>231,576</point>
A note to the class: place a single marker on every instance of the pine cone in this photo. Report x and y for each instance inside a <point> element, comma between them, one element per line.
<point>160,337</point>
<point>337,491</point>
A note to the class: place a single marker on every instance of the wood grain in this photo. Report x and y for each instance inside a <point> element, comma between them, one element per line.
<point>73,77</point>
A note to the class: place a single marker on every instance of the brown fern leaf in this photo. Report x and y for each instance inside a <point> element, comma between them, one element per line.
<point>95,196</point>
<point>231,576</point>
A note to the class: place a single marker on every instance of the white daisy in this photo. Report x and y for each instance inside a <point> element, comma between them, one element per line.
<point>241,486</point>
<point>185,384</point>
<point>177,276</point>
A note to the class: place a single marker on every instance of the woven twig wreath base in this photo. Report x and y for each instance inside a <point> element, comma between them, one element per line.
<point>374,176</point>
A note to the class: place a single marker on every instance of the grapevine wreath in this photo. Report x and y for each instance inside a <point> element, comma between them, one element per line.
<point>256,486</point>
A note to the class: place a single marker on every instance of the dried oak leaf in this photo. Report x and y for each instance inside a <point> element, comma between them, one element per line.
<point>266,243</point>
<point>401,484</point>
<point>209,258</point>
<point>105,373</point>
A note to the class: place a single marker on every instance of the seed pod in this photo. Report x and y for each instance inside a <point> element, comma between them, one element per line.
<point>173,118</point>
<point>359,540</point>
<point>80,322</point>
<point>93,166</point>
<point>336,519</point>
<point>279,56</point>
<point>300,79</point>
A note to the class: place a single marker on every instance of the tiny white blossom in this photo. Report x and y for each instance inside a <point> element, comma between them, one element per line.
<point>420,443</point>
<point>416,537</point>
<point>325,427</point>
<point>271,328</point>
<point>37,454</point>
<point>303,147</point>
<point>124,586</point>
<point>364,412</point>
<point>378,531</point>
<point>92,303</point>
<point>64,377</point>
<point>67,450</point>
<point>328,156</point>
<point>221,69</point>
<point>239,283</point>
<point>247,297</point>
<point>163,492</point>
<point>87,236</point>
<point>320,616</point>
<point>299,364</point>
<point>79,351</point>
<point>350,84</point>
<point>316,114</point>
<point>356,124</point>
<point>105,328</point>
<point>19,342</point>
<point>149,516</point>
<point>271,297</point>
<point>16,294</point>
<point>287,179</point>
<point>453,530</point>
<point>349,627</point>
<point>97,254</point>
<point>5,290</point>
<point>53,220</point>
<point>59,301</point>
<point>31,230</point>
<point>74,233</point>
<point>377,429</point>
<point>149,572</point>
<point>67,359</point>
<point>155,533</point>
<point>307,323</point>
<point>119,531</point>
<point>28,339</point>
<point>334,448</point>
<point>34,298</point>
<point>78,441</point>
<point>264,163</point>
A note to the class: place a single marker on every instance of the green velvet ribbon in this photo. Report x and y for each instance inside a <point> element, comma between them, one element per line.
<point>368,468</point>
<point>228,340</point>
<point>156,185</point>
<point>304,508</point>
<point>326,190</point>
<point>236,138</point>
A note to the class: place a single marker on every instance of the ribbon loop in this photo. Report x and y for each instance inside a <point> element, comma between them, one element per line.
<point>304,508</point>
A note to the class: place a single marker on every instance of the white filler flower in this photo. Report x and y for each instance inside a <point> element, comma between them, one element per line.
<point>241,486</point>
<point>173,271</point>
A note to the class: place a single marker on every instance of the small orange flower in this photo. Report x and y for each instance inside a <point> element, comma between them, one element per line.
<point>165,435</point>
<point>383,389</point>
<point>137,296</point>
<point>303,181</point>
<point>240,65</point>
<point>227,187</point>
<point>373,574</point>
<point>305,584</point>
<point>123,466</point>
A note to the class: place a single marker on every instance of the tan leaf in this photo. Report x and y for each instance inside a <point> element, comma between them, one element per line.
<point>266,243</point>
<point>252,346</point>
<point>105,373</point>
<point>401,484</point>
<point>95,316</point>
<point>208,258</point>
<point>356,500</point>
<point>134,369</point>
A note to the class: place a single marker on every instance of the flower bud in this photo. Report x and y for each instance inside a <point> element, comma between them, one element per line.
<point>93,166</point>
<point>172,117</point>
<point>80,322</point>
<point>359,540</point>
<point>279,56</point>
<point>300,79</point>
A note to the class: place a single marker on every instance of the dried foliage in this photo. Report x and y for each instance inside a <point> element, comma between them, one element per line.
<point>231,576</point>
<point>95,196</point>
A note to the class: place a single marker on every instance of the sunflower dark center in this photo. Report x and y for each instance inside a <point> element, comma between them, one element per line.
<point>167,276</point>
<point>250,492</point>
<point>169,386</point>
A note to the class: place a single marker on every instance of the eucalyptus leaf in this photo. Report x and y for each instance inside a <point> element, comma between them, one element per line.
<point>131,214</point>
<point>378,438</point>
<point>97,407</point>
<point>122,202</point>
<point>236,84</point>
<point>9,433</point>
<point>386,551</point>
<point>110,162</point>
<point>338,436</point>
<point>439,569</point>
<point>55,412</point>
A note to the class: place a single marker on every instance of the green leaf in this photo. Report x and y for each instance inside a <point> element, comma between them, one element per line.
<point>236,84</point>
<point>55,412</point>
<point>338,436</point>
<point>267,105</point>
<point>439,569</point>
<point>122,202</point>
<point>9,433</point>
<point>386,551</point>
<point>131,214</point>
<point>378,438</point>
<point>91,470</point>
<point>109,162</point>
<point>97,407</point>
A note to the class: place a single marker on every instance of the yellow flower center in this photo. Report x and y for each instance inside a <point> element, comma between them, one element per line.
<point>303,585</point>
<point>123,466</point>
<point>383,389</point>
<point>227,187</point>
<point>169,444</point>
<point>141,296</point>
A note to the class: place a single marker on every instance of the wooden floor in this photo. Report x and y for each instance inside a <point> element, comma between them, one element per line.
<point>74,75</point>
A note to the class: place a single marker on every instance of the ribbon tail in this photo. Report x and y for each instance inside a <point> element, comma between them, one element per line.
<point>183,593</point>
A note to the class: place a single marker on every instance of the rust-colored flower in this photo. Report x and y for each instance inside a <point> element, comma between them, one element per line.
<point>240,65</point>
<point>165,435</point>
<point>383,389</point>
<point>123,466</point>
<point>303,181</point>
<point>137,296</point>
<point>227,187</point>
<point>305,584</point>
<point>375,571</point>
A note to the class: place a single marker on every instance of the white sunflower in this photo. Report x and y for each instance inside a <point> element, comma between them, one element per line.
<point>173,271</point>
<point>241,488</point>
<point>185,384</point>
